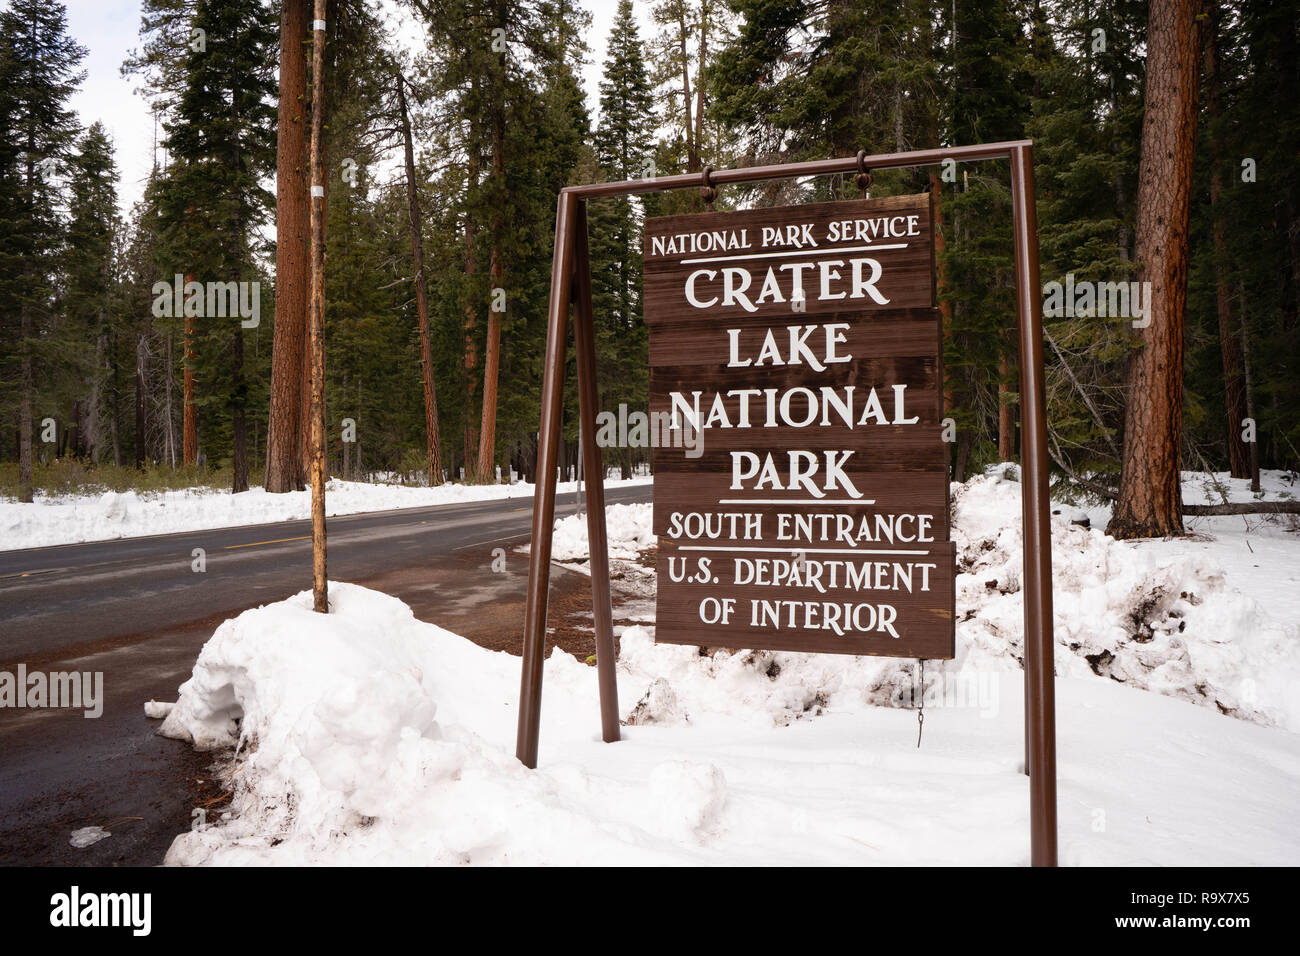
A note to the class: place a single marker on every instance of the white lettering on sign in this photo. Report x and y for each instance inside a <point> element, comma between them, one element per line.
<point>801,473</point>
<point>791,236</point>
<point>797,407</point>
<point>732,285</point>
<point>770,353</point>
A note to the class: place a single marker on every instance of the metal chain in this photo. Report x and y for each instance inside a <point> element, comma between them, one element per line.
<point>920,711</point>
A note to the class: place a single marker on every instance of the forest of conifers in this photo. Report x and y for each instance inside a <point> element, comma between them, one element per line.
<point>1166,137</point>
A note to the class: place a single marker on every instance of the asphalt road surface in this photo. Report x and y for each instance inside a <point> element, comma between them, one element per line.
<point>135,610</point>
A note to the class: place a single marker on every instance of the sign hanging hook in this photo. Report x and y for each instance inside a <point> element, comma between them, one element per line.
<point>707,192</point>
<point>863,177</point>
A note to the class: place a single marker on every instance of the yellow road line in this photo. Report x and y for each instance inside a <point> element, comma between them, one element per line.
<point>254,544</point>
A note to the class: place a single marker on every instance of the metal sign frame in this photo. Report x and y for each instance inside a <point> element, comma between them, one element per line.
<point>571,287</point>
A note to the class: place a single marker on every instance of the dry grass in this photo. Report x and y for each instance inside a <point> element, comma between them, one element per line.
<point>74,477</point>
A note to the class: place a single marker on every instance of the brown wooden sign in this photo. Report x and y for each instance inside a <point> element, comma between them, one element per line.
<point>835,350</point>
<point>801,493</point>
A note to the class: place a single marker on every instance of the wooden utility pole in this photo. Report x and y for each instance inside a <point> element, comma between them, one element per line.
<point>421,295</point>
<point>320,597</point>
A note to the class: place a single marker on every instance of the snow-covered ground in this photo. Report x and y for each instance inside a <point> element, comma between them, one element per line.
<point>366,736</point>
<point>1259,556</point>
<point>69,519</point>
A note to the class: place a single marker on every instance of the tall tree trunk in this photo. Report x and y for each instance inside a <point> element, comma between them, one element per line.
<point>688,126</point>
<point>706,8</point>
<point>305,442</point>
<point>141,372</point>
<point>347,445</point>
<point>434,457</point>
<point>1234,385</point>
<point>115,400</point>
<point>941,282</point>
<point>190,427</point>
<point>491,372</point>
<point>26,324</point>
<point>1150,493</point>
<point>1248,389</point>
<point>25,408</point>
<point>496,275</point>
<point>94,434</point>
<point>285,425</point>
<point>171,381</point>
<point>238,415</point>
<point>1006,410</point>
<point>471,310</point>
<point>239,407</point>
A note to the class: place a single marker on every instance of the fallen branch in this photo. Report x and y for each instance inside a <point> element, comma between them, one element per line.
<point>1087,400</point>
<point>1246,508</point>
<point>1096,487</point>
<point>1239,508</point>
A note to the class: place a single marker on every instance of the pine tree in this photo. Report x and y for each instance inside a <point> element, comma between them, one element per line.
<point>804,80</point>
<point>623,141</point>
<point>626,128</point>
<point>1088,73</point>
<point>90,297</point>
<point>38,71</point>
<point>152,437</point>
<point>221,141</point>
<point>682,56</point>
<point>988,102</point>
<point>427,378</point>
<point>509,123</point>
<point>1261,206</point>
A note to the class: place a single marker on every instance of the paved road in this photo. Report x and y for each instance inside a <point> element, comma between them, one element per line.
<point>137,611</point>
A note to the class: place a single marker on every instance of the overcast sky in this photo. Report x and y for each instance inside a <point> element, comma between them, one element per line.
<point>110,28</point>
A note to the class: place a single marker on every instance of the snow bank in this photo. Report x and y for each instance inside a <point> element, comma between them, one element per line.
<point>1150,615</point>
<point>628,528</point>
<point>1144,614</point>
<point>367,737</point>
<point>354,745</point>
<point>72,518</point>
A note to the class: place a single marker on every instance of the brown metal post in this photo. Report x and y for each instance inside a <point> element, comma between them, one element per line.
<point>584,344</point>
<point>817,167</point>
<point>548,441</point>
<point>1040,703</point>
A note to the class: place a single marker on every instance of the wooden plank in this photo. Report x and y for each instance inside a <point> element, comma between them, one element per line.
<point>864,255</point>
<point>883,493</point>
<point>876,615</point>
<point>700,340</point>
